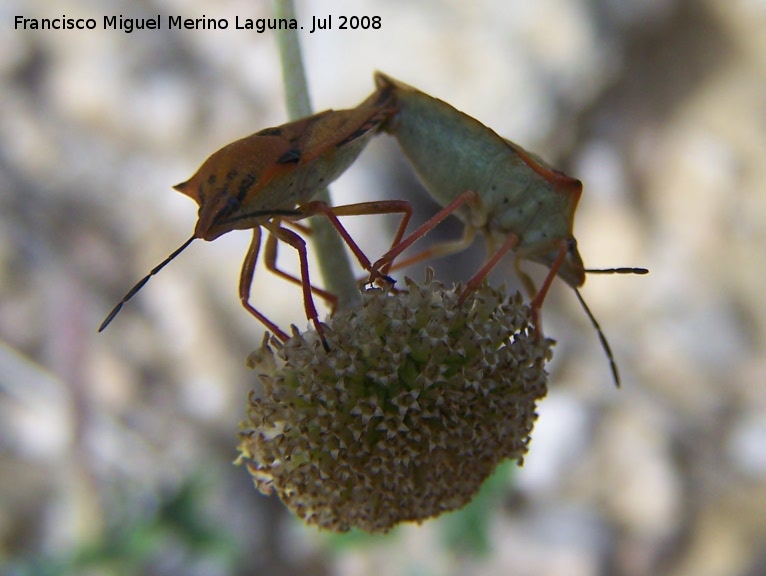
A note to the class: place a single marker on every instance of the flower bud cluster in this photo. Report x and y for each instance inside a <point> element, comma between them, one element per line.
<point>416,402</point>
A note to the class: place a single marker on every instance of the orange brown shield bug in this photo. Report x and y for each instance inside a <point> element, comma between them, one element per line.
<point>495,187</point>
<point>269,178</point>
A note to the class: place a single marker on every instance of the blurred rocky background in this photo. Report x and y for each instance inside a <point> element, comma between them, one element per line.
<point>116,449</point>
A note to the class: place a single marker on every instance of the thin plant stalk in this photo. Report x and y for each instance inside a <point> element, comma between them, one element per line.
<point>333,260</point>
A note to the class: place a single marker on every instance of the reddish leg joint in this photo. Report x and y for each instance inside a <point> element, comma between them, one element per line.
<point>385,262</point>
<point>537,301</point>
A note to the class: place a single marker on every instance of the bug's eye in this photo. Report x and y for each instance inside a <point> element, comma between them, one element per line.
<point>232,203</point>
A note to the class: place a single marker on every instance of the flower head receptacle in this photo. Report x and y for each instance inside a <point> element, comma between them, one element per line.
<point>416,402</point>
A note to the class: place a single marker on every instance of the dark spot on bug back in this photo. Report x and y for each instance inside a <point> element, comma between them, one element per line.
<point>351,137</point>
<point>269,132</point>
<point>231,204</point>
<point>233,173</point>
<point>211,179</point>
<point>244,186</point>
<point>292,156</point>
<point>361,131</point>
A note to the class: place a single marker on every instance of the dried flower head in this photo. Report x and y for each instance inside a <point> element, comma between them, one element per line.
<point>415,404</point>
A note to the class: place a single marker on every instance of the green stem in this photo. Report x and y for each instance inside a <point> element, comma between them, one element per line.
<point>333,260</point>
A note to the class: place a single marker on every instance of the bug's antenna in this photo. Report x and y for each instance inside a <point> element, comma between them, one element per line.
<point>604,342</point>
<point>617,271</point>
<point>601,336</point>
<point>141,283</point>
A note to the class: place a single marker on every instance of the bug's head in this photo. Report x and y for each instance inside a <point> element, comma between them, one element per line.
<point>226,189</point>
<point>214,187</point>
<point>572,269</point>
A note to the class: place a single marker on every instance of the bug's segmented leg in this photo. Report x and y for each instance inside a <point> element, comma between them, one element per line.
<point>246,281</point>
<point>299,227</point>
<point>385,262</point>
<point>537,301</point>
<point>332,213</point>
<point>278,232</point>
<point>361,209</point>
<point>539,298</point>
<point>270,260</point>
<point>294,240</point>
<point>439,250</point>
<point>511,241</point>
